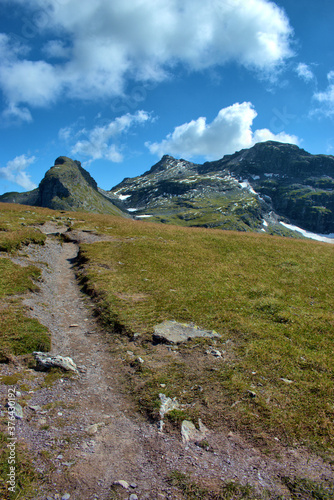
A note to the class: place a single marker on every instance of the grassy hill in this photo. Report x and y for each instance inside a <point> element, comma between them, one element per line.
<point>270,299</point>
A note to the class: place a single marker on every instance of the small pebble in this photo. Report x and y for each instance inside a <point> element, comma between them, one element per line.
<point>133,497</point>
<point>66,496</point>
<point>122,483</point>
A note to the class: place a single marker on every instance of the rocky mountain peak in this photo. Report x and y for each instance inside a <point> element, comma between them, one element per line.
<point>66,186</point>
<point>252,189</point>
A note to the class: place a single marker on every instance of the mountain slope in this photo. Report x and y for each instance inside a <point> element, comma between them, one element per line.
<point>66,186</point>
<point>253,189</point>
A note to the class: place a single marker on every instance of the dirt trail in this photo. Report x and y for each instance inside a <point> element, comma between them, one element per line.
<point>85,461</point>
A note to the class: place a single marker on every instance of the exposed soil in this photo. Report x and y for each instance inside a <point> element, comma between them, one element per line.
<point>85,461</point>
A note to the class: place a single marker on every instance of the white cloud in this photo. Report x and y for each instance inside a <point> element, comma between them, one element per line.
<point>326,98</point>
<point>97,143</point>
<point>142,39</point>
<point>304,72</point>
<point>57,49</point>
<point>230,131</point>
<point>14,171</point>
<point>15,113</point>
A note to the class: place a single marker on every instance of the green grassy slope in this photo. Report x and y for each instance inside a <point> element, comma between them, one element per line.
<point>271,300</point>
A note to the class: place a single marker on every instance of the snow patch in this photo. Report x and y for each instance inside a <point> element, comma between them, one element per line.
<point>327,238</point>
<point>124,196</point>
<point>245,185</point>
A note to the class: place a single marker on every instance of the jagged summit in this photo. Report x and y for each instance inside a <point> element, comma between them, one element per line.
<point>65,186</point>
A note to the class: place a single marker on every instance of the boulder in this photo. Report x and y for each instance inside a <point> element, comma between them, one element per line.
<point>190,433</point>
<point>45,361</point>
<point>172,332</point>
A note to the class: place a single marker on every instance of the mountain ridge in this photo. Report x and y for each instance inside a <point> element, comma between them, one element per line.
<point>253,189</point>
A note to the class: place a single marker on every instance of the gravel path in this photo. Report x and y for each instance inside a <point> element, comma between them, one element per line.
<point>83,432</point>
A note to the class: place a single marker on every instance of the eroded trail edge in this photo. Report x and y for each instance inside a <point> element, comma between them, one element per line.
<point>83,432</point>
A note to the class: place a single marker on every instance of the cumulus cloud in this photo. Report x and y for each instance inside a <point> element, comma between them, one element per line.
<point>305,72</point>
<point>230,131</point>
<point>109,42</point>
<point>14,171</point>
<point>97,143</point>
<point>326,98</point>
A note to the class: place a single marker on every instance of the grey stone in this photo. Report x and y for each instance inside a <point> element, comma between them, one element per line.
<point>133,497</point>
<point>176,333</point>
<point>286,380</point>
<point>18,411</point>
<point>67,496</point>
<point>214,352</point>
<point>190,433</point>
<point>252,394</point>
<point>122,483</point>
<point>35,407</point>
<point>45,361</point>
<point>167,404</point>
<point>92,429</point>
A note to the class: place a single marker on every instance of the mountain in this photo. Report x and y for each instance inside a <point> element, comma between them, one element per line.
<point>253,189</point>
<point>66,186</point>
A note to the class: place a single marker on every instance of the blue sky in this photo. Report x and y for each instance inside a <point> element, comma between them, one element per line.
<point>116,84</point>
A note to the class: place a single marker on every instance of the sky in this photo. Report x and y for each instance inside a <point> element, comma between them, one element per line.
<point>117,84</point>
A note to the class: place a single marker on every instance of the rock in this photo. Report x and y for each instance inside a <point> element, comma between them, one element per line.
<point>15,410</point>
<point>18,411</point>
<point>92,429</point>
<point>133,497</point>
<point>176,333</point>
<point>287,381</point>
<point>35,408</point>
<point>214,352</point>
<point>45,361</point>
<point>167,404</point>
<point>252,394</point>
<point>190,433</point>
<point>122,483</point>
<point>67,496</point>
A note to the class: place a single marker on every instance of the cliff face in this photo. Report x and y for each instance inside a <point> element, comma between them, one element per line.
<point>66,186</point>
<point>250,190</point>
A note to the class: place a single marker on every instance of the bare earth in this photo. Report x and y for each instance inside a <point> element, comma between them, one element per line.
<point>85,461</point>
